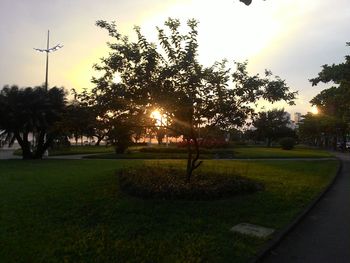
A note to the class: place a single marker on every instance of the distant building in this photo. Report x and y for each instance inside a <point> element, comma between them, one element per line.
<point>297,117</point>
<point>296,120</point>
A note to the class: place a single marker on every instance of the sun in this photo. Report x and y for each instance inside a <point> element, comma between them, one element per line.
<point>156,115</point>
<point>314,110</point>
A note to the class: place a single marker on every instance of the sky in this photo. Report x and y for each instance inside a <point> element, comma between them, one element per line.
<point>292,38</point>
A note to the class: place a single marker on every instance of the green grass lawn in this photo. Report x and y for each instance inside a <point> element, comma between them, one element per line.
<point>73,211</point>
<point>245,152</point>
<point>239,153</point>
<point>86,149</point>
<point>274,152</point>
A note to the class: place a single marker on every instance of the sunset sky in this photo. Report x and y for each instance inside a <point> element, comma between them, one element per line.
<point>293,38</point>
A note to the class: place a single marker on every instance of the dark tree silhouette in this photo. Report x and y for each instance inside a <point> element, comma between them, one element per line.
<point>31,111</point>
<point>334,102</point>
<point>168,76</point>
<point>272,125</point>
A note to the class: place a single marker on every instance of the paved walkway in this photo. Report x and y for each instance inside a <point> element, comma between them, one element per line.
<point>8,154</point>
<point>323,236</point>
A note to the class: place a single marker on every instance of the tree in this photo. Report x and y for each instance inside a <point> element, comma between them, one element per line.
<point>272,125</point>
<point>321,130</point>
<point>334,102</point>
<point>31,111</point>
<point>338,73</point>
<point>79,121</point>
<point>168,77</point>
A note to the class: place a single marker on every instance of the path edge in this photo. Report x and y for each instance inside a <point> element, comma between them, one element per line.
<point>276,240</point>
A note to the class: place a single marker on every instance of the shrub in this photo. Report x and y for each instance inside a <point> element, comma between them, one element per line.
<point>287,143</point>
<point>169,183</point>
<point>206,143</point>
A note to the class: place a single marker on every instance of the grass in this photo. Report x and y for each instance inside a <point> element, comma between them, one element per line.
<point>84,149</point>
<point>238,153</point>
<point>264,152</point>
<point>73,211</point>
<point>161,152</point>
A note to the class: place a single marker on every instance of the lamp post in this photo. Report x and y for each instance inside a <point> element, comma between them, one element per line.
<point>48,50</point>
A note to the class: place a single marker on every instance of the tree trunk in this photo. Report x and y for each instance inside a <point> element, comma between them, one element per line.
<point>99,139</point>
<point>25,146</point>
<point>189,161</point>
<point>192,163</point>
<point>269,142</point>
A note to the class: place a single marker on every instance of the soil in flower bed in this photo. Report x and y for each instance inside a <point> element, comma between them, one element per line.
<point>149,182</point>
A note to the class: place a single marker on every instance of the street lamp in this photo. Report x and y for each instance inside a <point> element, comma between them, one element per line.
<point>48,50</point>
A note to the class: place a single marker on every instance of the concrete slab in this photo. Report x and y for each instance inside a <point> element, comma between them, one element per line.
<point>252,230</point>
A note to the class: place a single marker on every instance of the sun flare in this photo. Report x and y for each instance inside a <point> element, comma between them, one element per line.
<point>314,110</point>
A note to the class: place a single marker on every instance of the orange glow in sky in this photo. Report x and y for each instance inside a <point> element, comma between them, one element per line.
<point>293,38</point>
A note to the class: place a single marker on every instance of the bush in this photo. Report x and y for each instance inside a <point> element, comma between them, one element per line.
<point>287,143</point>
<point>169,183</point>
<point>206,143</point>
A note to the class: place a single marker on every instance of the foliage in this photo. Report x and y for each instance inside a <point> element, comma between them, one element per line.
<point>79,121</point>
<point>205,143</point>
<point>170,183</point>
<point>36,111</point>
<point>119,135</point>
<point>287,143</point>
<point>322,130</point>
<point>334,103</point>
<point>168,76</point>
<point>271,126</point>
<point>339,73</point>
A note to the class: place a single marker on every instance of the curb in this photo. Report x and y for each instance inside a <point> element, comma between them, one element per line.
<point>274,242</point>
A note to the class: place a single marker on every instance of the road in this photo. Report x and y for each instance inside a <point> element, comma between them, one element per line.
<point>323,236</point>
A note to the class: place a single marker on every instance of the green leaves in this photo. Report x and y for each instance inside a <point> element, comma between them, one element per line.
<point>168,76</point>
<point>31,110</point>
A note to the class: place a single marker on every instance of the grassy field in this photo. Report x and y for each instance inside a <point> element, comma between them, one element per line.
<point>264,152</point>
<point>161,152</point>
<point>85,149</point>
<point>73,211</point>
<point>239,153</point>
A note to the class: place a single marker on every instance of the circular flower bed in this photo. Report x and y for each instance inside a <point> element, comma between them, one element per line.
<point>169,183</point>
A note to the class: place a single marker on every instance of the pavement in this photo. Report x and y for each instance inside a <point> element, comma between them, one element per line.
<point>8,154</point>
<point>323,236</point>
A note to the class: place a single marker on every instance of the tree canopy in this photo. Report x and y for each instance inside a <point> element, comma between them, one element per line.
<point>334,101</point>
<point>168,76</point>
<point>35,111</point>
<point>272,125</point>
<point>333,104</point>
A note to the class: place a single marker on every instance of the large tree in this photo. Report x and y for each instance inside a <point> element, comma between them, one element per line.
<point>31,111</point>
<point>167,76</point>
<point>272,125</point>
<point>334,102</point>
<point>321,130</point>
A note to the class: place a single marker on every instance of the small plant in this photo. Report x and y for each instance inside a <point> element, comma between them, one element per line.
<point>287,143</point>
